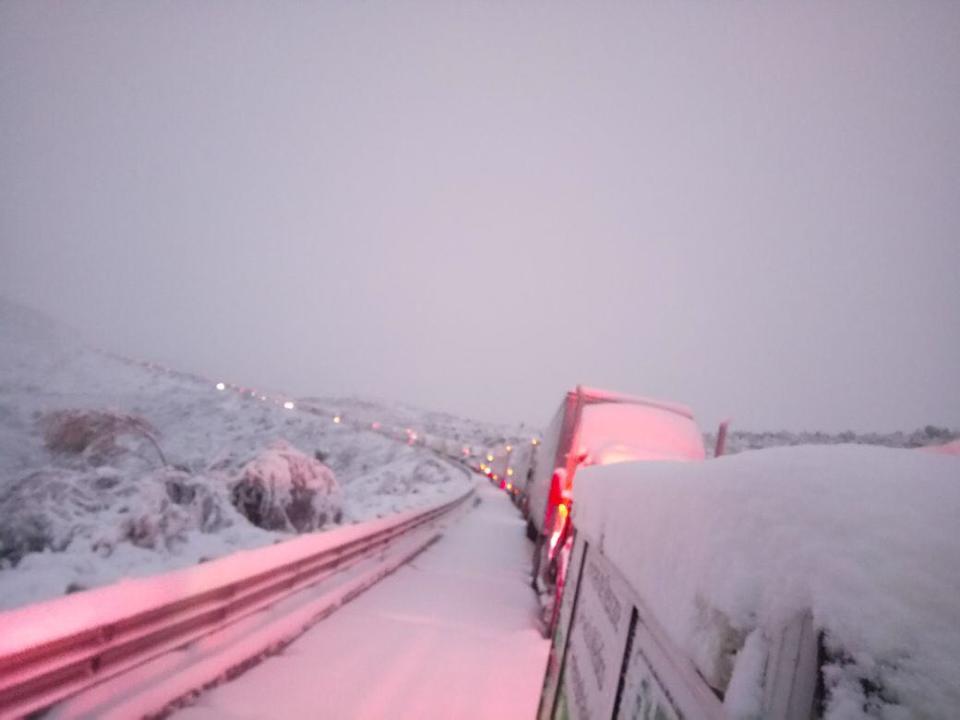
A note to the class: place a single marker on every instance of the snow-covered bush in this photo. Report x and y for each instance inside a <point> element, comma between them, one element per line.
<point>401,479</point>
<point>26,526</point>
<point>95,434</point>
<point>283,489</point>
<point>56,508</point>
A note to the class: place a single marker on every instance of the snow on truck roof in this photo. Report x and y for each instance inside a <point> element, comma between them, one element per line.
<point>619,432</point>
<point>863,538</point>
<point>608,396</point>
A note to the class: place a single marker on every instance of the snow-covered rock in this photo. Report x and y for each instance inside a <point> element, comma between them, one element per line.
<point>283,489</point>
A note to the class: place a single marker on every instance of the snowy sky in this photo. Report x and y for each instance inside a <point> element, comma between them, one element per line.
<point>753,208</point>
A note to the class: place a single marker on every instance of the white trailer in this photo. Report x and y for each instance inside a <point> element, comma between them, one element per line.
<point>597,427</point>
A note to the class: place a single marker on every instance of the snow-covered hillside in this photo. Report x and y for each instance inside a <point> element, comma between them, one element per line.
<point>468,432</point>
<point>158,488</point>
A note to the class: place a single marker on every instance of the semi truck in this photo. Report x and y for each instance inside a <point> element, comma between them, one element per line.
<point>596,427</point>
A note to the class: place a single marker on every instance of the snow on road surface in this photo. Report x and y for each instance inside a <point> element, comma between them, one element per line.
<point>453,634</point>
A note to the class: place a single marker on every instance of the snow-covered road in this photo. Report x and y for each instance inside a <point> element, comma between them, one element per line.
<point>452,635</point>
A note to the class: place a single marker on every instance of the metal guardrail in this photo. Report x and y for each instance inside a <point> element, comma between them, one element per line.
<point>53,650</point>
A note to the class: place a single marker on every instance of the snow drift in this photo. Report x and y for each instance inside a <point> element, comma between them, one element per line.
<point>864,538</point>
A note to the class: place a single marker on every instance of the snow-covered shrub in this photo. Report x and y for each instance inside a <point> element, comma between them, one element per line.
<point>283,489</point>
<point>207,510</point>
<point>37,513</point>
<point>408,478</point>
<point>178,504</point>
<point>431,472</point>
<point>56,508</point>
<point>94,434</point>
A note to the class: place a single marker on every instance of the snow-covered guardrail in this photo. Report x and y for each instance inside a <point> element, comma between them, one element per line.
<point>53,650</point>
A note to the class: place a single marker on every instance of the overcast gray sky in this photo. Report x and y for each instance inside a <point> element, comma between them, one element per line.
<point>751,207</point>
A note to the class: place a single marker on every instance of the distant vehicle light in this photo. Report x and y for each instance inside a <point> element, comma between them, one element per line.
<point>489,458</point>
<point>221,386</point>
<point>288,405</point>
<point>336,419</point>
<point>509,448</point>
<point>509,487</point>
<point>263,397</point>
<point>375,425</point>
<point>535,441</point>
<point>509,472</point>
